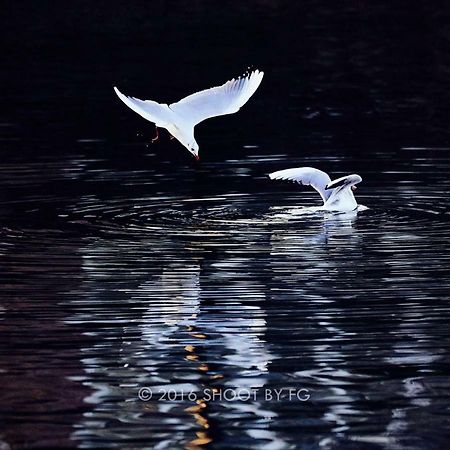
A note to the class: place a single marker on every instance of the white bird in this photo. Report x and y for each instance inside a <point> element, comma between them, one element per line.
<point>337,195</point>
<point>180,118</point>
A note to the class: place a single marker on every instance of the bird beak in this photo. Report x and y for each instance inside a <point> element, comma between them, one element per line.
<point>353,188</point>
<point>197,158</point>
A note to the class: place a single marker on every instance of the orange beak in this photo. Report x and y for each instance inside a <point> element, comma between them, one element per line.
<point>197,158</point>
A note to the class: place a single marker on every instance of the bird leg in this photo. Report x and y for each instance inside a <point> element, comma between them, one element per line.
<point>157,135</point>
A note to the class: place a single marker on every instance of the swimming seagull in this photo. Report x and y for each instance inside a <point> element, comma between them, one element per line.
<point>180,118</point>
<point>337,195</point>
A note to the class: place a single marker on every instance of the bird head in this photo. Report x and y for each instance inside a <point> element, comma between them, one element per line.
<point>193,148</point>
<point>349,181</point>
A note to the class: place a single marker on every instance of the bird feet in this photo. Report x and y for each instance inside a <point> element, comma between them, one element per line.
<point>156,137</point>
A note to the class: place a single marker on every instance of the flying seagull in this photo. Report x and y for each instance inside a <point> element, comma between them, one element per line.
<point>337,195</point>
<point>180,118</point>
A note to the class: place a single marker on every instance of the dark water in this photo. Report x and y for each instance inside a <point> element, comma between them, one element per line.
<point>127,266</point>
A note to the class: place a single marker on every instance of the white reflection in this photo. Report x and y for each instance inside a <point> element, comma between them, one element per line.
<point>183,330</point>
<point>281,214</point>
<point>316,254</point>
<point>310,262</point>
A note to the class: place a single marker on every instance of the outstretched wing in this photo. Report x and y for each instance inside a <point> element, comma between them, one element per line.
<point>155,112</point>
<point>218,101</point>
<point>307,176</point>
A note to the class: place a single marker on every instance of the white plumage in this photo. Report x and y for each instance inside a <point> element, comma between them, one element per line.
<point>180,118</point>
<point>337,195</point>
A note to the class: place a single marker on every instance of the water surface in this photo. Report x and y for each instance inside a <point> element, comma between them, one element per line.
<point>127,265</point>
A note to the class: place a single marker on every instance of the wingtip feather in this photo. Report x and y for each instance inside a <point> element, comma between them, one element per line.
<point>276,175</point>
<point>119,94</point>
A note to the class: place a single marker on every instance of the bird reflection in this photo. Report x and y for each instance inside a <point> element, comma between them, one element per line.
<point>282,214</point>
<point>313,264</point>
<point>192,324</point>
<point>317,253</point>
<point>223,343</point>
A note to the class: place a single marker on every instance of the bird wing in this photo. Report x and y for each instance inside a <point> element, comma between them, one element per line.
<point>347,180</point>
<point>155,112</point>
<point>307,176</point>
<point>218,101</point>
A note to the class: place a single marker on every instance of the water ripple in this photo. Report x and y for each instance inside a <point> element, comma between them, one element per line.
<point>167,282</point>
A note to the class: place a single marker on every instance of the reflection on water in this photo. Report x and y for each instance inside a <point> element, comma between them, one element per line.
<point>127,265</point>
<point>177,336</point>
<point>203,293</point>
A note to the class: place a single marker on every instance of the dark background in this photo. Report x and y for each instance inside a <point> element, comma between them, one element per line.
<point>349,75</point>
